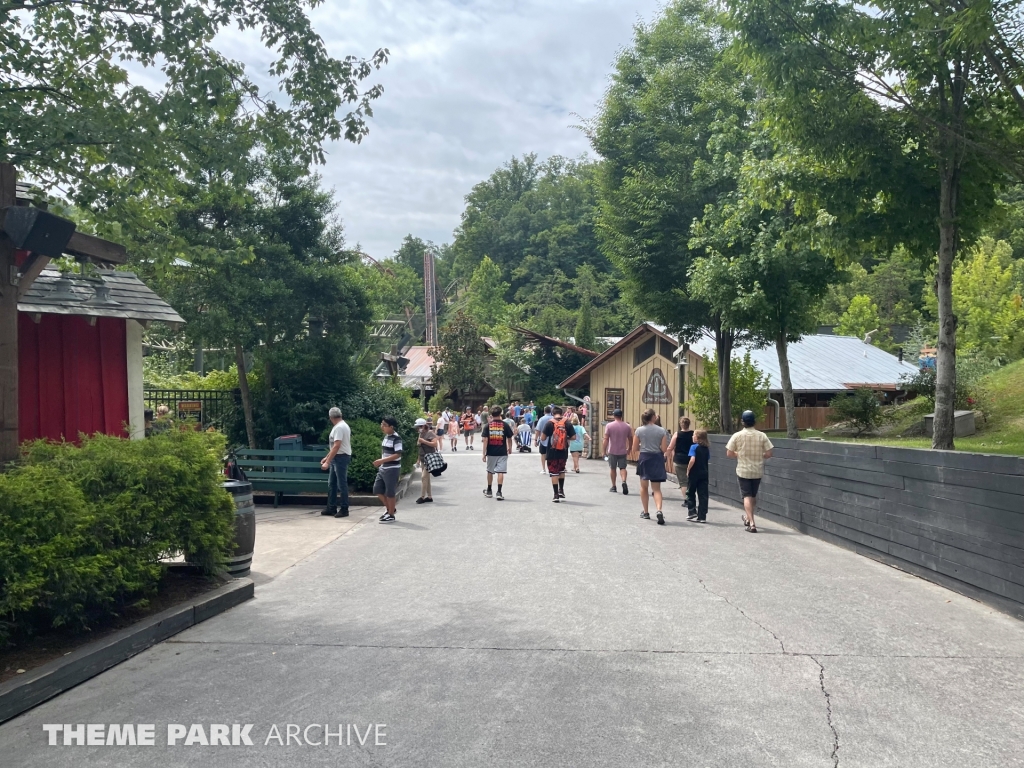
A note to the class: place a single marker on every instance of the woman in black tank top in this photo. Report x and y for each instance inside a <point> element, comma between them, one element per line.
<point>680,450</point>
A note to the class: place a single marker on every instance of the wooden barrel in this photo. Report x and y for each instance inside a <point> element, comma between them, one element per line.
<point>245,527</point>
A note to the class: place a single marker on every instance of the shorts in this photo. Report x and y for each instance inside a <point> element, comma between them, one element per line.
<point>469,431</point>
<point>651,467</point>
<point>749,486</point>
<point>497,465</point>
<point>617,461</point>
<point>543,449</point>
<point>681,475</point>
<point>556,467</point>
<point>386,483</point>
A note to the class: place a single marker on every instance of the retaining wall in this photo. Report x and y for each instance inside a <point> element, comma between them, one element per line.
<point>954,518</point>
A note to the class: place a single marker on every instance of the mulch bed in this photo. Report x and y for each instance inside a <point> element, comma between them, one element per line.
<point>179,585</point>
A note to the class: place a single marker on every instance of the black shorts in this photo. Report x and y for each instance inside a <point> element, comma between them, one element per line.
<point>749,486</point>
<point>543,449</point>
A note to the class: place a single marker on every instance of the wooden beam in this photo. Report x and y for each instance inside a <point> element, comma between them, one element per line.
<point>30,270</point>
<point>8,327</point>
<point>97,248</point>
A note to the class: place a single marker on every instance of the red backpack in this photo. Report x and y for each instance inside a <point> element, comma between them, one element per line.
<point>559,438</point>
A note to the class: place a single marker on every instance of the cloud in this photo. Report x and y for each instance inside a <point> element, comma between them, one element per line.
<point>470,84</point>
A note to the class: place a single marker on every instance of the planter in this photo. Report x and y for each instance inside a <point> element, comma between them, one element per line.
<point>245,527</point>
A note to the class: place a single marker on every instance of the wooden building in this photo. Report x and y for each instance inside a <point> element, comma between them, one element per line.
<point>640,371</point>
<point>80,354</point>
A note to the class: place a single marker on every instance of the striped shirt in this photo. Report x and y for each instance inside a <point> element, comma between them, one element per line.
<point>750,446</point>
<point>390,445</point>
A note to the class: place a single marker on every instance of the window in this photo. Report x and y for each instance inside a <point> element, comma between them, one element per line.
<point>645,351</point>
<point>666,349</point>
<point>613,399</point>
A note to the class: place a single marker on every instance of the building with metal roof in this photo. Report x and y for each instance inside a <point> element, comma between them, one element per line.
<point>824,364</point>
<point>104,294</point>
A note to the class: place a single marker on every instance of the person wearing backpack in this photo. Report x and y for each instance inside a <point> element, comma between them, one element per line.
<point>497,438</point>
<point>556,433</point>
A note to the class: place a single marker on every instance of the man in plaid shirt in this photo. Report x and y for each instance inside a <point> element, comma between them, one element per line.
<point>750,447</point>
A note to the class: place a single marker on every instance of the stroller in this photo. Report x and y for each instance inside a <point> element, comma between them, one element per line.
<point>523,440</point>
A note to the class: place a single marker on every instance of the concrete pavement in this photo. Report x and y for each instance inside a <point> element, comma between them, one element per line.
<point>485,633</point>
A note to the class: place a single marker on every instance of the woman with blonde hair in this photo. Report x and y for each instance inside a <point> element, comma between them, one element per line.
<point>578,442</point>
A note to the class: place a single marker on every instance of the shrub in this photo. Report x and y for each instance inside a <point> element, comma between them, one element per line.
<point>749,387</point>
<point>82,529</point>
<point>366,439</point>
<point>438,403</point>
<point>971,394</point>
<point>860,409</point>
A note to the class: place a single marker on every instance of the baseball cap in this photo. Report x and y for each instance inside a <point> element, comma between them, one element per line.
<point>421,422</point>
<point>617,413</point>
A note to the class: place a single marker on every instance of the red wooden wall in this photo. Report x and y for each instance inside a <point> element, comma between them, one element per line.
<point>73,377</point>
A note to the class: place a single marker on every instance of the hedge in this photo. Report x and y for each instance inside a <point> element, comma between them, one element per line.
<point>83,528</point>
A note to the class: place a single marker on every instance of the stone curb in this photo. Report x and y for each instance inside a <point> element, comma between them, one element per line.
<point>33,688</point>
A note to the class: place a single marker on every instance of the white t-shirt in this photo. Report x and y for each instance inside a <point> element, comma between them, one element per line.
<point>342,432</point>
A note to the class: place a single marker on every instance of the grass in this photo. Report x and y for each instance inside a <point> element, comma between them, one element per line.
<point>1002,432</point>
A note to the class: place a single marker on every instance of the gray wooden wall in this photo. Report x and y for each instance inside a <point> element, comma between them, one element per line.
<point>954,518</point>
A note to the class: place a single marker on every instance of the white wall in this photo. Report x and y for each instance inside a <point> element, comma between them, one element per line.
<point>136,405</point>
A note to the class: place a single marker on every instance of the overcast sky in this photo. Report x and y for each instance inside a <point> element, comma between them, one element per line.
<point>470,84</point>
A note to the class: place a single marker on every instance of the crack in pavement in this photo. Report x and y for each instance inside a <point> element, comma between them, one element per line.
<point>701,581</point>
<point>828,711</point>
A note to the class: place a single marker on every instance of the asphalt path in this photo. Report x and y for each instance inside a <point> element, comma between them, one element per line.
<point>478,633</point>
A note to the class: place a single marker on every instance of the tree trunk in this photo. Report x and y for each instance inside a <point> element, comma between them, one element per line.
<point>945,359</point>
<point>723,351</point>
<point>782,347</point>
<point>8,330</point>
<point>243,385</point>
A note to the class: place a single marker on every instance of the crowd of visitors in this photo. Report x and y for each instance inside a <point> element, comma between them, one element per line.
<point>560,433</point>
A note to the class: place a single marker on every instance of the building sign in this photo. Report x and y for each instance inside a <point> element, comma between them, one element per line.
<point>190,409</point>
<point>613,401</point>
<point>657,392</point>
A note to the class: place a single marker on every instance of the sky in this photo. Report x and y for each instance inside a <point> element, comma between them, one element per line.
<point>470,84</point>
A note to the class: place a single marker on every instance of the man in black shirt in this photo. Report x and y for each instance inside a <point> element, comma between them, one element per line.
<point>557,432</point>
<point>497,438</point>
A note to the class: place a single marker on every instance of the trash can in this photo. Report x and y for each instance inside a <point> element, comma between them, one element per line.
<point>240,560</point>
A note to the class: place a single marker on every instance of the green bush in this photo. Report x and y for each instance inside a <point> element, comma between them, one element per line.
<point>366,439</point>
<point>860,409</point>
<point>748,385</point>
<point>82,529</point>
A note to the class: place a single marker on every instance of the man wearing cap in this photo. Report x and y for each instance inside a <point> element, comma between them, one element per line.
<point>618,437</point>
<point>750,447</point>
<point>336,464</point>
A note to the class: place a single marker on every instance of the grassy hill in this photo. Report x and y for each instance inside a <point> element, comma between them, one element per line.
<point>1001,432</point>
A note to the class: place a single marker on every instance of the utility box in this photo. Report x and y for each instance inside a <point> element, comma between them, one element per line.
<point>963,424</point>
<point>289,443</point>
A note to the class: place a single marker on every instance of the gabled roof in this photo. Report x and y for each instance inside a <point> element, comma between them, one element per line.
<point>824,364</point>
<point>126,297</point>
<point>613,350</point>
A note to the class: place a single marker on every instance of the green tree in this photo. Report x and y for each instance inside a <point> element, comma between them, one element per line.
<point>672,91</point>
<point>987,301</point>
<point>862,318</point>
<point>76,107</point>
<point>536,221</point>
<point>266,275</point>
<point>585,279</point>
<point>902,92</point>
<point>749,393</point>
<point>485,300</point>
<point>459,365</point>
<point>860,409</point>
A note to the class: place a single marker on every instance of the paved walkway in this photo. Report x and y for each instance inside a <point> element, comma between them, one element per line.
<point>524,633</point>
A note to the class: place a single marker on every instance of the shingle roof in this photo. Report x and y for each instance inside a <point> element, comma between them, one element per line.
<point>128,297</point>
<point>824,364</point>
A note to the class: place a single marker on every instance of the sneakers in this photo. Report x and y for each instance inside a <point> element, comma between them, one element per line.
<point>387,518</point>
<point>421,500</point>
<point>644,516</point>
<point>429,500</point>
<point>498,496</point>
<point>661,518</point>
<point>613,489</point>
<point>692,517</point>
<point>328,511</point>
<point>625,490</point>
<point>488,493</point>
<point>561,494</point>
<point>343,512</point>
<point>556,499</point>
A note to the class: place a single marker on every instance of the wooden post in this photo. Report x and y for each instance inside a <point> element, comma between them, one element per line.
<point>8,328</point>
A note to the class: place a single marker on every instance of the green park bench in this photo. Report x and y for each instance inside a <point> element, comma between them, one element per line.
<point>284,471</point>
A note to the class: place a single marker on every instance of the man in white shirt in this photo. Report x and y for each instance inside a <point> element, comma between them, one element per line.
<point>336,463</point>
